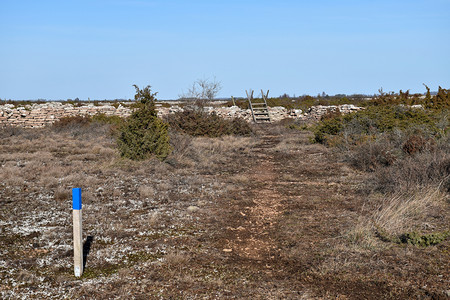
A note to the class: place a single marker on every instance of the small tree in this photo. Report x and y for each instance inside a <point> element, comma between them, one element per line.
<point>202,90</point>
<point>144,134</point>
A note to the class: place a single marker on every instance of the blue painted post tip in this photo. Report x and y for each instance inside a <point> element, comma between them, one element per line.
<point>76,198</point>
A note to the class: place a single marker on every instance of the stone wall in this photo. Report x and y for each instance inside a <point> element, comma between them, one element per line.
<point>40,115</point>
<point>316,112</point>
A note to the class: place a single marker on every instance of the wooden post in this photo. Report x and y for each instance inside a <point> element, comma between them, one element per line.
<point>250,98</point>
<point>77,232</point>
<point>234,103</point>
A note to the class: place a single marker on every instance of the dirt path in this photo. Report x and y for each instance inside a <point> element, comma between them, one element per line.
<point>297,201</point>
<point>251,237</point>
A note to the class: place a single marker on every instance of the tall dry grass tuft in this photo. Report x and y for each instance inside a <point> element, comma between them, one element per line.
<point>396,215</point>
<point>402,212</point>
<point>176,260</point>
<point>146,191</point>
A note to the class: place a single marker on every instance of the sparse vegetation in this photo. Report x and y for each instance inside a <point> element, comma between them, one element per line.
<point>233,216</point>
<point>404,154</point>
<point>377,120</point>
<point>305,102</point>
<point>403,147</point>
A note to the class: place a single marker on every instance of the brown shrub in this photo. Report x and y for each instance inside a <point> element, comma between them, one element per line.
<point>331,114</point>
<point>61,194</point>
<point>371,155</point>
<point>417,143</point>
<point>8,131</point>
<point>200,123</point>
<point>83,126</point>
<point>72,121</point>
<point>422,170</point>
<point>400,161</point>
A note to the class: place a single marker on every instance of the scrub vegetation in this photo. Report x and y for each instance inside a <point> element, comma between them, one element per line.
<point>351,207</point>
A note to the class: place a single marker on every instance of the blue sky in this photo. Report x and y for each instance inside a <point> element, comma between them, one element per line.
<point>99,49</point>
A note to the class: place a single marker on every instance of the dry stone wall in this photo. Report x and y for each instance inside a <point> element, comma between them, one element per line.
<point>316,112</point>
<point>40,115</point>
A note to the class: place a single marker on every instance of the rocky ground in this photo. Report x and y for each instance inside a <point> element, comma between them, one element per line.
<point>270,216</point>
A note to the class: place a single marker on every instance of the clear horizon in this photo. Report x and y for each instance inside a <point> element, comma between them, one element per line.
<point>59,50</point>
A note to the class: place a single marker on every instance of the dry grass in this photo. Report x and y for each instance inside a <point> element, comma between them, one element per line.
<point>146,191</point>
<point>401,212</point>
<point>159,228</point>
<point>208,154</point>
<point>176,259</point>
<point>137,212</point>
<point>397,214</point>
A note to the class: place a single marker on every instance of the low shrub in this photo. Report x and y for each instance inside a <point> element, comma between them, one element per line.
<point>143,134</point>
<point>7,131</point>
<point>73,121</point>
<point>417,143</point>
<point>425,162</point>
<point>332,126</point>
<point>303,102</point>
<point>199,123</point>
<point>423,240</point>
<point>370,156</point>
<point>403,148</point>
<point>114,122</point>
<point>436,102</point>
<point>376,119</point>
<point>104,119</point>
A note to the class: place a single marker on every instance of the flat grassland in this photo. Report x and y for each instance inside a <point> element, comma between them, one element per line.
<point>270,216</point>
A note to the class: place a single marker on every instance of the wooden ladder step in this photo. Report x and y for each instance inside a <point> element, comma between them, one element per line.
<point>260,111</point>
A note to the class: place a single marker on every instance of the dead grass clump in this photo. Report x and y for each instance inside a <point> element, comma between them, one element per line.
<point>397,216</point>
<point>48,181</point>
<point>176,260</point>
<point>401,212</point>
<point>146,191</point>
<point>180,144</point>
<point>362,235</point>
<point>62,194</point>
<point>16,181</point>
<point>154,219</point>
<point>289,144</point>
